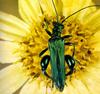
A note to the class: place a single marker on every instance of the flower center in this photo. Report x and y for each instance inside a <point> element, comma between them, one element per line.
<point>37,40</point>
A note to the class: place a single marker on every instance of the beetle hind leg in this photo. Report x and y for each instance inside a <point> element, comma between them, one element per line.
<point>44,64</point>
<point>71,63</point>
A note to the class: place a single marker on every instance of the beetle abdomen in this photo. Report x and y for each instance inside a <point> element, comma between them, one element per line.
<point>56,47</point>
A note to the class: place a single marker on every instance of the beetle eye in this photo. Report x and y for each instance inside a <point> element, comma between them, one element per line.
<point>54,23</point>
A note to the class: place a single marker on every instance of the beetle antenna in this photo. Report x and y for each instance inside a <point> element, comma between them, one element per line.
<point>41,7</point>
<point>79,11</point>
<point>55,10</point>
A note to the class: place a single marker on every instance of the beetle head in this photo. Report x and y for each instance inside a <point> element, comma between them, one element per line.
<point>58,27</point>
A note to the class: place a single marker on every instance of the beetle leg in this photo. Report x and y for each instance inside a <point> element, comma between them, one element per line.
<point>66,36</point>
<point>52,84</point>
<point>48,32</point>
<point>46,28</point>
<point>71,63</point>
<point>71,44</point>
<point>44,64</point>
<point>43,51</point>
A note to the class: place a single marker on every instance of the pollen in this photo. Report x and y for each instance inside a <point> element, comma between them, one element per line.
<point>37,40</point>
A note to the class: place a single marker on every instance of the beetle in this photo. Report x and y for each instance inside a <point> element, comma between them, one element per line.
<point>56,47</point>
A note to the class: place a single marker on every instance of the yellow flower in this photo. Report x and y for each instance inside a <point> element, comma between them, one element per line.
<point>21,41</point>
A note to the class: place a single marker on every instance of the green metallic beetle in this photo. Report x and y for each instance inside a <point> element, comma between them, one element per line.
<point>56,46</point>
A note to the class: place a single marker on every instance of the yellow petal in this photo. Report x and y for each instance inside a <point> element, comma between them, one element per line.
<point>48,7</point>
<point>69,89</point>
<point>31,87</point>
<point>12,24</point>
<point>12,28</point>
<point>9,36</point>
<point>11,78</point>
<point>71,6</point>
<point>83,14</point>
<point>30,10</point>
<point>91,78</point>
<point>67,7</point>
<point>80,87</point>
<point>93,20</point>
<point>96,41</point>
<point>7,52</point>
<point>97,47</point>
<point>36,87</point>
<point>59,6</point>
